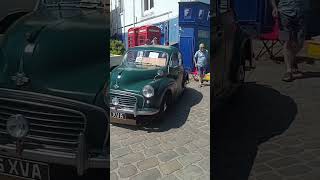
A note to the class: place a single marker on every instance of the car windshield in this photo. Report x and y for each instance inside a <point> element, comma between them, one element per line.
<point>80,3</point>
<point>145,58</point>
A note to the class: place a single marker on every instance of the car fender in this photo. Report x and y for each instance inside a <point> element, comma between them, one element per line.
<point>164,86</point>
<point>11,19</point>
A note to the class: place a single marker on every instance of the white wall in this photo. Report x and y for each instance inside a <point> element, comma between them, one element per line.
<point>162,11</point>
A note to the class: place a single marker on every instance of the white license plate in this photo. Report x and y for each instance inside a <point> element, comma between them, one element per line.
<point>118,115</point>
<point>24,169</point>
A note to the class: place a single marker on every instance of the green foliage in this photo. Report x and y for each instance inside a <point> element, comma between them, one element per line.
<point>116,47</point>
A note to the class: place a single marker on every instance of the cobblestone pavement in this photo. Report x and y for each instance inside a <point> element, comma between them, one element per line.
<point>273,126</point>
<point>178,147</point>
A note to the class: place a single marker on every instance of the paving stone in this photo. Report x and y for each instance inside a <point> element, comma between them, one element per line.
<point>191,147</point>
<point>170,177</point>
<point>269,147</point>
<point>312,145</point>
<point>290,150</point>
<point>204,177</point>
<point>261,168</point>
<point>201,142</point>
<point>114,146</point>
<point>205,152</point>
<point>283,162</point>
<point>113,176</point>
<point>148,163</point>
<point>170,167</point>
<point>264,157</point>
<point>306,156</point>
<point>316,152</point>
<point>131,158</point>
<point>288,141</point>
<point>127,171</point>
<point>315,163</point>
<point>152,151</point>
<point>148,175</point>
<point>120,152</point>
<point>151,142</point>
<point>113,165</point>
<point>167,146</point>
<point>190,172</point>
<point>205,164</point>
<point>183,139</point>
<point>294,170</point>
<point>167,156</point>
<point>190,158</point>
<point>182,150</point>
<point>133,140</point>
<point>269,176</point>
<point>137,147</point>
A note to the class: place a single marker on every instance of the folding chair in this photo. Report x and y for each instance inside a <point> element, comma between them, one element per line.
<point>270,41</point>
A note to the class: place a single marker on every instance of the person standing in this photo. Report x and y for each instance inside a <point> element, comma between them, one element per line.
<point>201,58</point>
<point>292,32</point>
<point>154,41</point>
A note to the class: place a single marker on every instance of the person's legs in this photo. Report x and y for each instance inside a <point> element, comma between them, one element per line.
<point>286,34</point>
<point>200,75</point>
<point>299,43</point>
<point>288,59</point>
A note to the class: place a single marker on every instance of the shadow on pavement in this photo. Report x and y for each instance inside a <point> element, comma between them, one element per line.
<point>176,115</point>
<point>300,60</point>
<point>309,74</point>
<point>256,114</point>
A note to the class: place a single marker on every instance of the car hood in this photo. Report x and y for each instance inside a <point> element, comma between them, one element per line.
<point>132,79</point>
<point>68,58</point>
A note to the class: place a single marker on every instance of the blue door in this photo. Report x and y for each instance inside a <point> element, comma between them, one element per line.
<point>186,48</point>
<point>254,14</point>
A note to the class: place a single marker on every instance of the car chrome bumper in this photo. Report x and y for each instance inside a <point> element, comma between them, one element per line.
<point>59,158</point>
<point>136,114</point>
<point>148,112</point>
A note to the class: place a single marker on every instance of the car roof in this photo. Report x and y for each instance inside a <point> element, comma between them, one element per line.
<point>167,49</point>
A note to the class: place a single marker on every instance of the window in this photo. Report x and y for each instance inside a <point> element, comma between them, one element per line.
<point>201,14</point>
<point>148,4</point>
<point>174,60</point>
<point>120,5</point>
<point>187,13</point>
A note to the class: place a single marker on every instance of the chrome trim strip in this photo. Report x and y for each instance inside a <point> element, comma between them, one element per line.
<point>58,98</point>
<point>49,106</point>
<point>138,112</point>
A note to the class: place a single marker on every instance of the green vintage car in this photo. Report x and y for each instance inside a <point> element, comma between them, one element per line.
<point>149,79</point>
<point>53,77</point>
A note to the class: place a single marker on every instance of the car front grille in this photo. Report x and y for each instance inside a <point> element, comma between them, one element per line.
<point>50,125</point>
<point>125,101</point>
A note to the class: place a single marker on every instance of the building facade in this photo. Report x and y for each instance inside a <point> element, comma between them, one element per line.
<point>133,13</point>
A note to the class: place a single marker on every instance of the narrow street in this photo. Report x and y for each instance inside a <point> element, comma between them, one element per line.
<point>271,127</point>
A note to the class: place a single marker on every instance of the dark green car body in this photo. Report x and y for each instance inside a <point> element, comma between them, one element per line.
<point>53,71</point>
<point>128,82</point>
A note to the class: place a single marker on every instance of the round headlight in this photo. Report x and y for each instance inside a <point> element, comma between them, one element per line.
<point>17,126</point>
<point>115,101</point>
<point>148,91</point>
